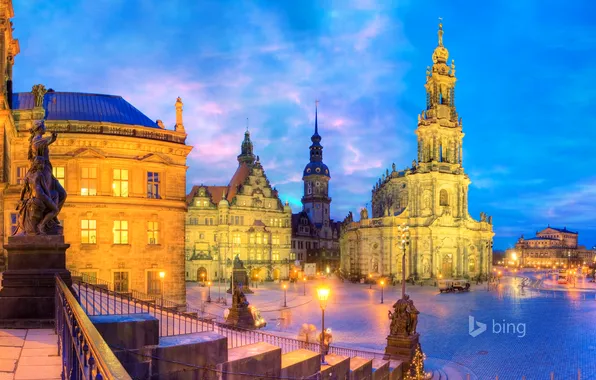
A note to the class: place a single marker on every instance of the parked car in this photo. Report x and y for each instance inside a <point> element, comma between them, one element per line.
<point>449,285</point>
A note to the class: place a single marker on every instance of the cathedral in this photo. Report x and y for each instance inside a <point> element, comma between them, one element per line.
<point>430,197</point>
<point>315,236</point>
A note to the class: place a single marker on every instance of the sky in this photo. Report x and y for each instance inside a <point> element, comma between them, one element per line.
<point>525,89</point>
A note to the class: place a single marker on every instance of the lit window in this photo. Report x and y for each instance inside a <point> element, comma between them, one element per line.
<point>275,240</point>
<point>120,232</point>
<point>121,281</point>
<point>153,185</point>
<point>58,172</point>
<point>275,256</point>
<point>153,232</point>
<point>14,217</point>
<point>88,181</point>
<point>236,238</point>
<point>265,239</point>
<point>120,184</point>
<point>153,282</point>
<point>88,231</point>
<point>89,277</point>
<point>21,173</point>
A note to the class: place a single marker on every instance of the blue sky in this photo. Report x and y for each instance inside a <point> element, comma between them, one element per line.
<point>525,89</point>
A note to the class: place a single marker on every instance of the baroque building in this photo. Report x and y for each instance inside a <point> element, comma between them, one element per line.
<point>124,174</point>
<point>430,196</point>
<point>552,247</point>
<point>244,218</point>
<point>315,237</point>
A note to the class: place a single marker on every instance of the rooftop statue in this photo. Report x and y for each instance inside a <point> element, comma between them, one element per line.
<point>42,196</point>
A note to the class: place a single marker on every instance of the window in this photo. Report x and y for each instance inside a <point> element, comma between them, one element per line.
<point>153,185</point>
<point>58,172</point>
<point>294,244</point>
<point>121,281</point>
<point>152,232</point>
<point>259,238</point>
<point>265,238</point>
<point>89,277</point>
<point>193,221</point>
<point>21,173</point>
<point>14,217</point>
<point>120,232</point>
<point>88,231</point>
<point>443,198</point>
<point>201,236</point>
<point>275,240</point>
<point>236,238</point>
<point>252,238</point>
<point>275,256</point>
<point>88,181</point>
<point>120,183</point>
<point>153,282</point>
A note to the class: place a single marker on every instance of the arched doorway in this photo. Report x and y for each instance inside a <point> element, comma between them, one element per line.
<point>276,274</point>
<point>471,266</point>
<point>447,266</point>
<point>202,274</point>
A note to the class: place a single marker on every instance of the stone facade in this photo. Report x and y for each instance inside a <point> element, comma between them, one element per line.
<point>246,218</point>
<point>315,236</point>
<point>125,176</point>
<point>551,247</point>
<point>430,196</point>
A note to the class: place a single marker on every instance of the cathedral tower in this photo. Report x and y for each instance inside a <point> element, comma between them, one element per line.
<point>316,178</point>
<point>439,129</point>
<point>246,151</point>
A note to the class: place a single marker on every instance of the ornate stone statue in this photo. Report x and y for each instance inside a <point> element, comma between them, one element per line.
<point>363,214</point>
<point>39,90</point>
<point>393,166</point>
<point>490,220</point>
<point>238,264</point>
<point>404,318</point>
<point>482,217</point>
<point>42,196</point>
<point>413,163</point>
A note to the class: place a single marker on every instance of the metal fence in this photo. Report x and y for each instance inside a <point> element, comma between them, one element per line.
<point>85,355</point>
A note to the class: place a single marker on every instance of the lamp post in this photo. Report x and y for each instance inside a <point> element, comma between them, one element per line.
<point>304,288</point>
<point>162,275</point>
<point>209,291</point>
<point>489,247</point>
<point>285,288</point>
<point>405,241</point>
<point>382,286</point>
<point>323,295</point>
<point>257,283</point>
<point>328,271</point>
<point>203,277</point>
<point>370,281</point>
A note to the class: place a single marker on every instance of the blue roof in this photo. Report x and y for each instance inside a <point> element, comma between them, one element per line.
<point>540,238</point>
<point>316,167</point>
<point>562,230</point>
<point>85,107</point>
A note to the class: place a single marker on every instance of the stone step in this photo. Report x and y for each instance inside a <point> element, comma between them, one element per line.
<point>300,364</point>
<point>261,359</point>
<point>336,367</point>
<point>380,369</point>
<point>360,368</point>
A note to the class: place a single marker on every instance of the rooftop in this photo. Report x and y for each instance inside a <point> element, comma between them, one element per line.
<point>85,107</point>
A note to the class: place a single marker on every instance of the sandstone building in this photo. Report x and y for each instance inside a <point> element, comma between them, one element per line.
<point>551,247</point>
<point>430,196</point>
<point>125,176</point>
<point>244,218</point>
<point>315,237</point>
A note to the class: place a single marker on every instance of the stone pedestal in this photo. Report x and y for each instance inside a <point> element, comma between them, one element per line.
<point>402,348</point>
<point>28,285</point>
<point>241,316</point>
<point>240,279</point>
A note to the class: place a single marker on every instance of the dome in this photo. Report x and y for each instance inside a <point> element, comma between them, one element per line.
<point>223,203</point>
<point>316,168</point>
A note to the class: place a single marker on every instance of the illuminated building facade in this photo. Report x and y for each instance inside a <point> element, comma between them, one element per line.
<point>550,247</point>
<point>430,196</point>
<point>125,176</point>
<point>245,218</point>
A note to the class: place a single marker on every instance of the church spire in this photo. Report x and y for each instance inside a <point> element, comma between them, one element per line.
<point>246,149</point>
<point>316,149</point>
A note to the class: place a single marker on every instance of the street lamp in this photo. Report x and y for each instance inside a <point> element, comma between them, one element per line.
<point>203,277</point>
<point>161,277</point>
<point>323,295</point>
<point>405,241</point>
<point>304,282</point>
<point>327,270</point>
<point>489,247</point>
<point>370,281</point>
<point>382,286</point>
<point>257,283</point>
<point>209,291</point>
<point>285,289</point>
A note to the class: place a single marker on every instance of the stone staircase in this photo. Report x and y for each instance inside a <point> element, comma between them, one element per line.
<point>205,355</point>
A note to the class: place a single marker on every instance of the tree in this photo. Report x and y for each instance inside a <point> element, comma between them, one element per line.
<point>416,370</point>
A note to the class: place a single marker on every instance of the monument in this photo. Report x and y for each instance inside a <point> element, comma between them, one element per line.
<point>403,340</point>
<point>241,314</point>
<point>36,251</point>
<point>239,277</point>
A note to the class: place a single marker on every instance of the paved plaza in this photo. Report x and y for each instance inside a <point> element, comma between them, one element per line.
<point>529,332</point>
<point>29,355</point>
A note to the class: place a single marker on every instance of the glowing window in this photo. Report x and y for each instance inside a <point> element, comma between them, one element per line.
<point>88,181</point>
<point>120,232</point>
<point>120,183</point>
<point>88,231</point>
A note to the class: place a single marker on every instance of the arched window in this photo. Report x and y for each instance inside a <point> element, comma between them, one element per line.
<point>441,153</point>
<point>444,198</point>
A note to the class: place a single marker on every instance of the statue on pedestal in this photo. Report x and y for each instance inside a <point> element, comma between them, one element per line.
<point>42,196</point>
<point>404,318</point>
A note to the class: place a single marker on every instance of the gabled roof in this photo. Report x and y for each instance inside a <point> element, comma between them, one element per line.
<point>564,229</point>
<point>84,107</point>
<point>217,192</point>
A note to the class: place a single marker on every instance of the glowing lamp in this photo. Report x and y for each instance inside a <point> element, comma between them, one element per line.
<point>323,296</point>
<point>162,274</point>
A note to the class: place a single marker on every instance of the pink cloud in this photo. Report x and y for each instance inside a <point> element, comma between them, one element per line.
<point>372,30</point>
<point>211,108</point>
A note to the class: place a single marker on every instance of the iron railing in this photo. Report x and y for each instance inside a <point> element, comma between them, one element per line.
<point>85,355</point>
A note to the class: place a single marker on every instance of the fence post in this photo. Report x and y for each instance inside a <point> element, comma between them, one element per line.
<point>579,374</point>
<point>552,376</point>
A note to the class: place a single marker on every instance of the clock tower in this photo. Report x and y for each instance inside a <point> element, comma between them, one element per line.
<point>316,201</point>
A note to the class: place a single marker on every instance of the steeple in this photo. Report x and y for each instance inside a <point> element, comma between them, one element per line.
<point>246,149</point>
<point>439,128</point>
<point>316,150</point>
